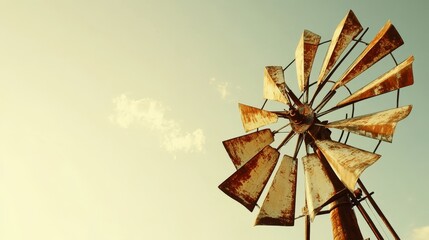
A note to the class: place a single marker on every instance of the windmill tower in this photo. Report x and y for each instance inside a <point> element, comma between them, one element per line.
<point>331,167</point>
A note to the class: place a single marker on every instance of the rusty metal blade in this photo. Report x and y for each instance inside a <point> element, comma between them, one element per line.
<point>247,183</point>
<point>274,84</point>
<point>319,190</point>
<point>387,40</point>
<point>242,149</point>
<point>379,125</point>
<point>346,30</point>
<point>279,205</point>
<point>348,162</point>
<point>304,57</point>
<point>398,77</point>
<point>253,118</point>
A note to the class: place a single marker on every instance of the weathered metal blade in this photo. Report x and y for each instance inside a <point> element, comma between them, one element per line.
<point>319,190</point>
<point>247,183</point>
<point>346,30</point>
<point>379,125</point>
<point>387,40</point>
<point>253,118</point>
<point>398,77</point>
<point>304,57</point>
<point>274,84</point>
<point>279,205</point>
<point>242,149</point>
<point>348,162</point>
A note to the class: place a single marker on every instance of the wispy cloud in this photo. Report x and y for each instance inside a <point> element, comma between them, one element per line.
<point>421,233</point>
<point>150,113</point>
<point>223,88</point>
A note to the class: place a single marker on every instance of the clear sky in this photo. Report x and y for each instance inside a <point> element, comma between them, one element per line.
<point>112,115</point>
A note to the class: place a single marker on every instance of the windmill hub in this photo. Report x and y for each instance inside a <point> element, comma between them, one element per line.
<point>301,118</point>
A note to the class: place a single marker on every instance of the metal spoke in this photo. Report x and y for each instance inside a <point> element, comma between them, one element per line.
<point>320,86</point>
<point>286,140</point>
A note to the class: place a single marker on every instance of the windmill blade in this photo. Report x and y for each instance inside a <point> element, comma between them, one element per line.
<point>279,205</point>
<point>304,57</point>
<point>387,40</point>
<point>242,149</point>
<point>398,77</point>
<point>348,162</point>
<point>274,84</point>
<point>379,125</point>
<point>253,118</point>
<point>345,32</point>
<point>319,189</point>
<point>247,183</point>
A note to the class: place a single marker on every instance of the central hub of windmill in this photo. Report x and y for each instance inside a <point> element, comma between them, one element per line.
<point>301,118</point>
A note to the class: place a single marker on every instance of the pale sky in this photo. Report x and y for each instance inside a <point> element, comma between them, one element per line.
<point>113,115</point>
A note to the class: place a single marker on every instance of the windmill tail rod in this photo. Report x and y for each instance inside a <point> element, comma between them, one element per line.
<point>378,210</point>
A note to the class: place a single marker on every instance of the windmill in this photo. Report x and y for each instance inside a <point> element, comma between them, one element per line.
<point>331,167</point>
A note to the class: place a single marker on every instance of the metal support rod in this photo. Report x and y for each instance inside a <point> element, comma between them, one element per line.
<point>366,217</point>
<point>378,210</point>
<point>397,97</point>
<point>364,198</point>
<point>307,227</point>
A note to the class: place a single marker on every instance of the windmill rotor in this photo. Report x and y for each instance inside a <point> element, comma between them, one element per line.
<point>332,169</point>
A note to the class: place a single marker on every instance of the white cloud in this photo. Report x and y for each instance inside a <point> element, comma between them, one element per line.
<point>421,233</point>
<point>223,88</point>
<point>187,142</point>
<point>150,114</point>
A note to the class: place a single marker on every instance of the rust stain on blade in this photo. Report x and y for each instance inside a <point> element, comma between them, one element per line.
<point>398,77</point>
<point>387,40</point>
<point>380,125</point>
<point>253,118</point>
<point>304,57</point>
<point>346,30</point>
<point>319,190</point>
<point>248,182</point>
<point>274,84</point>
<point>242,149</point>
<point>348,162</point>
<point>279,205</point>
